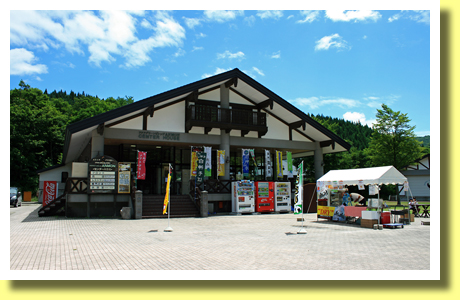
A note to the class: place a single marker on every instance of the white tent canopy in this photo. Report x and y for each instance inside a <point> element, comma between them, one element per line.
<point>378,175</point>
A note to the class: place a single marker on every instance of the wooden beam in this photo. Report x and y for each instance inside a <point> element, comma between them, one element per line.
<point>193,96</point>
<point>296,125</point>
<point>100,129</point>
<point>233,81</point>
<point>327,144</point>
<point>265,104</point>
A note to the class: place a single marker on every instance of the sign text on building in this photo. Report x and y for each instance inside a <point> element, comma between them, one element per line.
<point>156,135</point>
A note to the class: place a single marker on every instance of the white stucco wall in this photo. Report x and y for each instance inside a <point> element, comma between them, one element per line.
<point>276,129</point>
<point>171,118</point>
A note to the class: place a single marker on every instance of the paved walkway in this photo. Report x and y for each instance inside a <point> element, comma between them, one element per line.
<point>246,242</point>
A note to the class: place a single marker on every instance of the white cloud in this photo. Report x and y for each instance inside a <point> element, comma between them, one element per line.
<point>356,117</point>
<point>218,71</point>
<point>258,71</point>
<point>105,35</point>
<point>269,14</point>
<point>229,55</point>
<point>353,15</point>
<point>179,52</point>
<point>21,63</point>
<point>192,22</point>
<point>222,16</point>
<point>334,41</point>
<point>195,48</point>
<point>310,16</point>
<point>200,35</point>
<point>251,20</point>
<point>276,54</point>
<point>365,37</point>
<point>419,16</point>
<point>315,102</point>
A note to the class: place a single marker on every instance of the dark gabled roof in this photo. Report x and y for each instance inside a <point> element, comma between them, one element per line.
<point>111,116</point>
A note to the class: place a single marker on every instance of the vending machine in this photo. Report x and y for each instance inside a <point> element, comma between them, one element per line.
<point>265,196</point>
<point>282,196</point>
<point>243,196</point>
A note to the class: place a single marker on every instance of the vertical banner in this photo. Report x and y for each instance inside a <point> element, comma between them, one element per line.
<point>245,153</point>
<point>208,164</point>
<point>194,161</point>
<point>298,199</point>
<point>50,190</point>
<point>141,158</point>
<point>253,156</point>
<point>200,166</point>
<point>165,204</point>
<point>289,164</point>
<point>268,164</point>
<point>221,163</point>
<point>279,164</point>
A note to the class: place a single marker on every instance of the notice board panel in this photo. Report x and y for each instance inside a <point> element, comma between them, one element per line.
<point>102,174</point>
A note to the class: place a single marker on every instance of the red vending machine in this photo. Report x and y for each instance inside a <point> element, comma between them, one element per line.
<point>265,196</point>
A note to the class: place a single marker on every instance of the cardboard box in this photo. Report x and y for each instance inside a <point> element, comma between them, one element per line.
<point>411,217</point>
<point>368,223</point>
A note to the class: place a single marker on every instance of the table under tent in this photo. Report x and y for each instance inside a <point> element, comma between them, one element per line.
<point>333,205</point>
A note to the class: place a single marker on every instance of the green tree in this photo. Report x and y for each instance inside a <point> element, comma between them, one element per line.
<point>393,141</point>
<point>36,135</point>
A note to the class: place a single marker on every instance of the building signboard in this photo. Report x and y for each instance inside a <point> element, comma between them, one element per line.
<point>156,135</point>
<point>102,174</point>
<point>124,177</point>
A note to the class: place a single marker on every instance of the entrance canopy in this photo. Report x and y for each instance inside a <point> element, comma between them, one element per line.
<point>378,175</point>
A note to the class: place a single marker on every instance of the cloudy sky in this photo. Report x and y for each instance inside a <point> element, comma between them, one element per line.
<point>338,63</point>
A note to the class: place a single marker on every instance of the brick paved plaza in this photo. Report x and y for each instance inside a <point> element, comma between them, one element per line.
<point>228,242</point>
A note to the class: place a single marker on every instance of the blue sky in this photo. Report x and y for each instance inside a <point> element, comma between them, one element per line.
<point>343,64</point>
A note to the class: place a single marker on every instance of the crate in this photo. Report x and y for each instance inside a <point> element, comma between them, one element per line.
<point>411,217</point>
<point>366,223</point>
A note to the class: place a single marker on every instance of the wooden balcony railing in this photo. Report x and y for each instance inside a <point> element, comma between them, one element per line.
<point>209,117</point>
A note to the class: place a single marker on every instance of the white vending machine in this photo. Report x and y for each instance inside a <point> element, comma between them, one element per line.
<point>283,196</point>
<point>243,196</point>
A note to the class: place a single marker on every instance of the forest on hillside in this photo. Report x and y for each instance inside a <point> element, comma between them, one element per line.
<point>38,121</point>
<point>37,127</point>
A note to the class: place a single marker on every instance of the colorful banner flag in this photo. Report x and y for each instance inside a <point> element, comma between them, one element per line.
<point>268,164</point>
<point>221,163</point>
<point>253,156</point>
<point>279,164</point>
<point>245,153</point>
<point>141,159</point>
<point>200,166</point>
<point>165,204</point>
<point>194,161</point>
<point>298,199</point>
<point>208,164</point>
<point>50,191</point>
<point>289,161</point>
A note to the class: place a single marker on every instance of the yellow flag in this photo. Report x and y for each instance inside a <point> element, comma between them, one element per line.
<point>165,205</point>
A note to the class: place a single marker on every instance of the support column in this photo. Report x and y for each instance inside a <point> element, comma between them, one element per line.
<point>97,144</point>
<point>225,137</point>
<point>319,168</point>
